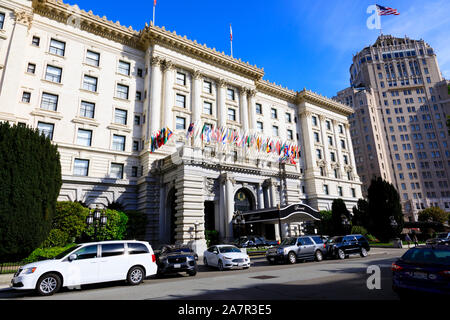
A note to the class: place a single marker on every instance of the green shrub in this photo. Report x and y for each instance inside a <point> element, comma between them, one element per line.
<point>115,228</point>
<point>359,230</point>
<point>46,254</point>
<point>212,237</point>
<point>136,226</point>
<point>371,238</point>
<point>56,238</point>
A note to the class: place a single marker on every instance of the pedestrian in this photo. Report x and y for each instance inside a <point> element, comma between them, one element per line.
<point>408,240</point>
<point>416,242</point>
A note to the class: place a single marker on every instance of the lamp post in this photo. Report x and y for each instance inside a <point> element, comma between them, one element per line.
<point>196,224</point>
<point>238,220</point>
<point>98,219</point>
<point>345,223</point>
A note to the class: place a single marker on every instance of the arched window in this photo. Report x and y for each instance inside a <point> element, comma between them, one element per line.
<point>243,201</point>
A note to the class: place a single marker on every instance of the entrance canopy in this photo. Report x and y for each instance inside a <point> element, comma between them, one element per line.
<point>290,214</point>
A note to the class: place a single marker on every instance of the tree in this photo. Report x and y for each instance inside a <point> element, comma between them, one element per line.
<point>433,214</point>
<point>30,175</point>
<point>361,215</point>
<point>325,225</point>
<point>340,214</point>
<point>384,203</point>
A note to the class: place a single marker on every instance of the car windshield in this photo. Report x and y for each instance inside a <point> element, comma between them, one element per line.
<point>180,250</point>
<point>289,242</point>
<point>335,240</point>
<point>228,249</point>
<point>442,235</point>
<point>65,253</point>
<point>427,256</point>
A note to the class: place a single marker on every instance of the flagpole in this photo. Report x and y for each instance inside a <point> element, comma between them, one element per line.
<point>231,39</point>
<point>154,12</point>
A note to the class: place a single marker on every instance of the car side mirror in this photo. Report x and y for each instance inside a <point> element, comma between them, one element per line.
<point>216,252</point>
<point>73,257</point>
<point>298,244</point>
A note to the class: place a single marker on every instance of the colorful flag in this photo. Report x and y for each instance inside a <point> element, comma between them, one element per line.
<point>386,11</point>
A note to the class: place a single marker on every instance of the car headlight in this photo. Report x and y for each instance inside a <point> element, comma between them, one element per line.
<point>28,271</point>
<point>227,258</point>
<point>280,250</point>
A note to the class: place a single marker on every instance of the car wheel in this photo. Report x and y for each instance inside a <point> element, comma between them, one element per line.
<point>364,253</point>
<point>292,258</point>
<point>48,284</point>
<point>192,273</point>
<point>341,254</point>
<point>319,255</point>
<point>220,265</point>
<point>135,276</point>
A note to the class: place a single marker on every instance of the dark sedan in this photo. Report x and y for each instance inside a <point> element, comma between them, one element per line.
<point>173,259</point>
<point>423,269</point>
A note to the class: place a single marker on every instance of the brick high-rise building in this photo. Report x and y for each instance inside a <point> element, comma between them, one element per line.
<point>399,133</point>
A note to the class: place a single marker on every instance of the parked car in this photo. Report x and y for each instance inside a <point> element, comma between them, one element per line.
<point>423,269</point>
<point>254,241</point>
<point>86,264</point>
<point>342,246</point>
<point>173,259</point>
<point>226,257</point>
<point>292,249</point>
<point>440,238</point>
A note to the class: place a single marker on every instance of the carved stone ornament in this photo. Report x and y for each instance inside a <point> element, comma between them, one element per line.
<point>155,61</point>
<point>24,17</point>
<point>210,186</point>
<point>168,66</point>
<point>222,83</point>
<point>197,75</point>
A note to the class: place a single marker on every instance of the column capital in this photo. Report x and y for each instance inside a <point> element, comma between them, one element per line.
<point>245,91</point>
<point>168,66</point>
<point>156,61</point>
<point>306,113</point>
<point>252,93</point>
<point>322,117</point>
<point>222,83</point>
<point>23,17</point>
<point>197,75</point>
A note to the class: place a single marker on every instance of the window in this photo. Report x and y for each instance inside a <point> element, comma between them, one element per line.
<point>2,20</point>
<point>31,68</point>
<point>181,123</point>
<point>90,83</point>
<point>137,120</point>
<point>290,134</point>
<point>46,129</point>
<point>116,171</point>
<point>124,68</point>
<point>330,141</point>
<point>181,79</point>
<point>121,116</point>
<point>275,131</point>
<point>316,137</point>
<point>87,110</point>
<point>343,144</point>
<point>341,129</point>
<point>230,94</point>
<point>260,126</point>
<point>135,146</point>
<point>340,192</point>
<point>137,248</point>
<point>181,101</point>
<point>231,114</point>
<point>122,91</point>
<point>118,143</point>
<point>319,154</point>
<point>346,159</point>
<point>49,101</point>
<point>89,252</point>
<point>207,86</point>
<point>93,58</point>
<point>258,108</point>
<point>325,189</point>
<point>274,113</point>
<point>328,124</point>
<point>314,120</point>
<point>288,118</point>
<point>140,73</point>
<point>134,172</point>
<point>113,250</point>
<point>36,41</point>
<point>81,168</point>
<point>138,96</point>
<point>84,138</point>
<point>57,47</point>
<point>207,108</point>
<point>53,74</point>
<point>26,97</point>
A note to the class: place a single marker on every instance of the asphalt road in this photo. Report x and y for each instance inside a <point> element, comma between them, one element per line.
<point>326,280</point>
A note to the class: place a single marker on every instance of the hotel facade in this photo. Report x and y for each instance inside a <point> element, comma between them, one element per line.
<point>100,91</point>
<point>401,103</point>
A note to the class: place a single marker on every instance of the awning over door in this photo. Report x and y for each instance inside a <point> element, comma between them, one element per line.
<point>290,214</point>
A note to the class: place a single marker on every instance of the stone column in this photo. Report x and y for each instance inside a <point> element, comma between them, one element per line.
<point>326,152</point>
<point>244,109</point>
<point>229,202</point>
<point>340,158</point>
<point>221,106</point>
<point>260,196</point>
<point>252,109</point>
<point>351,155</point>
<point>169,78</point>
<point>309,152</point>
<point>154,114</point>
<point>196,99</point>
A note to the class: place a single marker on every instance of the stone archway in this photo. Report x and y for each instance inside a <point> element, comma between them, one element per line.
<point>244,200</point>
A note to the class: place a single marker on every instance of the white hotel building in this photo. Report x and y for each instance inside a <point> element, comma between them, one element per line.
<point>100,89</point>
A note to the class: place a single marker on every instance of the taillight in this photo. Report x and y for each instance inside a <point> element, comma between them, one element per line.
<point>445,273</point>
<point>324,246</point>
<point>396,267</point>
<point>153,258</point>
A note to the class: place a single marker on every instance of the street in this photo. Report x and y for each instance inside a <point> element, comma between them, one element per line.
<point>329,279</point>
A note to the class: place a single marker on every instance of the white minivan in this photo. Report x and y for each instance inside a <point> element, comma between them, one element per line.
<point>89,263</point>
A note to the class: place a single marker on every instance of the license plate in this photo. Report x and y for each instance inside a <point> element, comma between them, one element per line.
<point>420,275</point>
<point>177,266</point>
<point>271,259</point>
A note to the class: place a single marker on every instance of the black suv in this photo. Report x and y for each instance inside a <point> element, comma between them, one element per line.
<point>342,246</point>
<point>174,259</point>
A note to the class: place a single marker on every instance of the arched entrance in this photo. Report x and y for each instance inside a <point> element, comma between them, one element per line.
<point>243,202</point>
<point>170,216</point>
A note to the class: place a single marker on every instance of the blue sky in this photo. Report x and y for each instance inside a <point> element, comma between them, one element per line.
<point>298,43</point>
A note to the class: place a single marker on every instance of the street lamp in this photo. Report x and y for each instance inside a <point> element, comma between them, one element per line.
<point>239,221</point>
<point>345,223</point>
<point>97,218</point>
<point>394,223</point>
<point>196,224</point>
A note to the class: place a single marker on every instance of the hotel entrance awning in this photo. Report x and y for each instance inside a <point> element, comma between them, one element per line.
<point>290,214</point>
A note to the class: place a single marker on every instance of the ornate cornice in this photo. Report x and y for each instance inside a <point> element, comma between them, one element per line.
<point>309,96</point>
<point>276,90</point>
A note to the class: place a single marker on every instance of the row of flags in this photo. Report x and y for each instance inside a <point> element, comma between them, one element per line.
<point>159,139</point>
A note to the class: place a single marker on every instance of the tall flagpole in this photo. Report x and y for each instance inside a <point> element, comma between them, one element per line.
<point>154,11</point>
<point>231,39</point>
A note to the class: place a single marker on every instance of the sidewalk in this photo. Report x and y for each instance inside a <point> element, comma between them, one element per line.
<point>5,280</point>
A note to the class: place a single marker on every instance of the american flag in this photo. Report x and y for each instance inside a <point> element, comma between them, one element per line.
<point>386,11</point>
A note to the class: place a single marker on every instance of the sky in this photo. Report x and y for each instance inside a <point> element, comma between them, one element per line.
<point>299,43</point>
